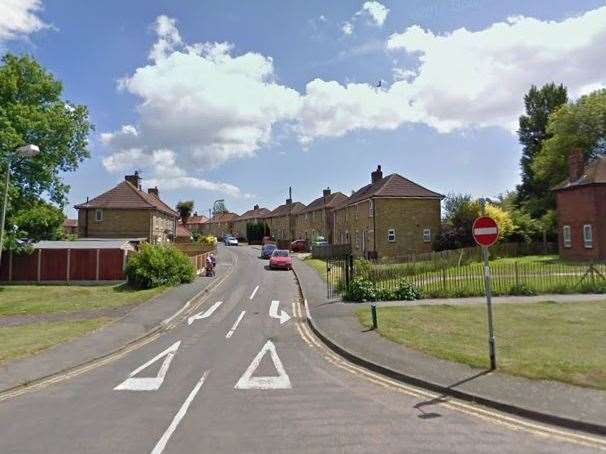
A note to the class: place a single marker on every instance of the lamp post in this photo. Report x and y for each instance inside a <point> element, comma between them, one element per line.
<point>26,151</point>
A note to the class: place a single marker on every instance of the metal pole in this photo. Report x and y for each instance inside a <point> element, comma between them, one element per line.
<point>8,172</point>
<point>487,285</point>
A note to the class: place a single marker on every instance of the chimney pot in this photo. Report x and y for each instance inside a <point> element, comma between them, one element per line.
<point>376,175</point>
<point>576,164</point>
<point>134,179</point>
<point>256,207</point>
<point>288,201</point>
<point>326,192</point>
<point>154,191</point>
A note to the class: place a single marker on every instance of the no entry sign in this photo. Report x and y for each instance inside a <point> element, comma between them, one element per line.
<point>485,231</point>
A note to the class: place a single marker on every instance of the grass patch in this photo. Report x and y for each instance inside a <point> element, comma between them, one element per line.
<point>318,265</point>
<point>554,341</point>
<point>44,299</point>
<point>24,340</point>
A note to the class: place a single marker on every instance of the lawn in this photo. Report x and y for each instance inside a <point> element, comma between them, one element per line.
<point>555,341</point>
<point>39,299</point>
<point>23,340</point>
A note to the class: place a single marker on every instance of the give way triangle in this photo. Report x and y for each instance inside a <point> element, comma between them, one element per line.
<point>280,381</point>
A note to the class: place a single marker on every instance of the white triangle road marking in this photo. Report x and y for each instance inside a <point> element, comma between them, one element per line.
<point>281,381</point>
<point>205,314</point>
<point>150,383</point>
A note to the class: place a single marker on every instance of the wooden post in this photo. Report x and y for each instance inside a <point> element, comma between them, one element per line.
<point>97,270</point>
<point>68,265</point>
<point>39,264</point>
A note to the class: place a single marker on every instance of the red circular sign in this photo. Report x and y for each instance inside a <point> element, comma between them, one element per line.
<point>485,231</point>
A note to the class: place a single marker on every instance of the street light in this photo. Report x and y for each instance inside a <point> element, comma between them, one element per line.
<point>26,151</point>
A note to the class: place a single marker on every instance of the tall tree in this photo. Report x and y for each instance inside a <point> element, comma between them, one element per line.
<point>185,208</point>
<point>539,104</point>
<point>32,110</point>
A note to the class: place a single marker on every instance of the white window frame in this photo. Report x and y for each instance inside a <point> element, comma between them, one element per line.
<point>588,236</point>
<point>566,236</point>
<point>427,235</point>
<point>391,235</point>
<point>99,215</point>
<point>371,211</point>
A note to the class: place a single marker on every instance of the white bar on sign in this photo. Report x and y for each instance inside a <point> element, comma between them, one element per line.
<point>485,231</point>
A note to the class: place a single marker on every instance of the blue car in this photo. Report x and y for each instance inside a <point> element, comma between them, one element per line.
<point>267,250</point>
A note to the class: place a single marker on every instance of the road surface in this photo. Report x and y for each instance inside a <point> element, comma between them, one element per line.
<point>246,375</point>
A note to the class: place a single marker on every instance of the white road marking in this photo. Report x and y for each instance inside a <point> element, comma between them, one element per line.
<point>205,314</point>
<point>252,295</point>
<point>273,312</point>
<point>159,448</point>
<point>233,328</point>
<point>281,381</point>
<point>150,383</point>
<point>307,313</point>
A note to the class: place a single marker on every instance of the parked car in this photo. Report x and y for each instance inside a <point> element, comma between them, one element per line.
<point>267,240</point>
<point>319,241</point>
<point>299,246</point>
<point>280,259</point>
<point>230,240</point>
<point>267,250</point>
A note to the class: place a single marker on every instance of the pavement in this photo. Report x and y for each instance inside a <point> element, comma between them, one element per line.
<point>244,373</point>
<point>549,401</point>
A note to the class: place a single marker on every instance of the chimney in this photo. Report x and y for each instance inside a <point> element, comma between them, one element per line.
<point>326,192</point>
<point>154,191</point>
<point>195,213</point>
<point>288,201</point>
<point>256,207</point>
<point>376,175</point>
<point>134,179</point>
<point>576,164</point>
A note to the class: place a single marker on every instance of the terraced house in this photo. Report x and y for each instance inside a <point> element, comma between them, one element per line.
<point>282,220</point>
<point>390,217</point>
<point>195,222</point>
<point>250,217</point>
<point>125,211</point>
<point>316,219</point>
<point>220,224</point>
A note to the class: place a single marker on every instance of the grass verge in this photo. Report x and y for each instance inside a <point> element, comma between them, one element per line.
<point>24,340</point>
<point>554,341</point>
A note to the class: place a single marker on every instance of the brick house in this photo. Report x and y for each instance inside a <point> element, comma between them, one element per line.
<point>70,226</point>
<point>194,223</point>
<point>251,216</point>
<point>219,225</point>
<point>182,234</point>
<point>390,217</point>
<point>581,208</point>
<point>125,211</point>
<point>282,220</point>
<point>316,219</point>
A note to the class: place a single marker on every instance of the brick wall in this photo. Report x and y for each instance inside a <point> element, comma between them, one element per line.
<point>115,223</point>
<point>161,223</point>
<point>311,224</point>
<point>356,223</point>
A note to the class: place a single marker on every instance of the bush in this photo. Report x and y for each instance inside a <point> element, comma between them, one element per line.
<point>405,291</point>
<point>207,240</point>
<point>360,289</point>
<point>157,265</point>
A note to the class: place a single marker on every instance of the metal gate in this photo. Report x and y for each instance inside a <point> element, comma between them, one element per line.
<point>339,272</point>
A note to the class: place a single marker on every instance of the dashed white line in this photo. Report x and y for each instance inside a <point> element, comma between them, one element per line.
<point>252,295</point>
<point>233,328</point>
<point>159,448</point>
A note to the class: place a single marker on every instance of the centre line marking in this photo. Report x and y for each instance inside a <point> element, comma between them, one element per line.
<point>252,295</point>
<point>233,328</point>
<point>159,448</point>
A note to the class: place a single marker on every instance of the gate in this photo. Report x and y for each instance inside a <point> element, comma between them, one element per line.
<point>339,272</point>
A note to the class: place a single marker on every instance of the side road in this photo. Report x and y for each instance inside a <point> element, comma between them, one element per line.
<point>546,401</point>
<point>144,320</point>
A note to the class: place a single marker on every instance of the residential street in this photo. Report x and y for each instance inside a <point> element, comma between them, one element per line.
<point>313,401</point>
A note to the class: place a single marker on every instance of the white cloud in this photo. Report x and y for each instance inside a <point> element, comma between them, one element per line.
<point>347,28</point>
<point>377,11</point>
<point>19,18</point>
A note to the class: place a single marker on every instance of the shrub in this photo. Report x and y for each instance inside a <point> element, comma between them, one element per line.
<point>157,265</point>
<point>360,289</point>
<point>405,291</point>
<point>521,290</point>
<point>208,240</point>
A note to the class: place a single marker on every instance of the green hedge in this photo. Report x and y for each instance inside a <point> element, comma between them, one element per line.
<point>156,265</point>
<point>361,289</point>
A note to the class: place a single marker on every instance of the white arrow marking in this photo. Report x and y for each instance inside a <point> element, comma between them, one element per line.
<point>233,328</point>
<point>281,381</point>
<point>150,383</point>
<point>273,312</point>
<point>159,448</point>
<point>206,314</point>
<point>252,295</point>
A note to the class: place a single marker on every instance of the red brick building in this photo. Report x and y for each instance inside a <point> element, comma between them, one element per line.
<point>581,209</point>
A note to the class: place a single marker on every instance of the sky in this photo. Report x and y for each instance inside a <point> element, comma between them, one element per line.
<point>241,100</point>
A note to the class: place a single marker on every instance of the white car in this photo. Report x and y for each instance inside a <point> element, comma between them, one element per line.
<point>230,241</point>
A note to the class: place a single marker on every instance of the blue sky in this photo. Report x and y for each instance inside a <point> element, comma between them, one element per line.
<point>240,100</point>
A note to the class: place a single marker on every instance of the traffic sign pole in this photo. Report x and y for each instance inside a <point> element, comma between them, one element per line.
<point>488,286</point>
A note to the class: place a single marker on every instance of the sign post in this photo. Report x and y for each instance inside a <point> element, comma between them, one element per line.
<point>486,232</point>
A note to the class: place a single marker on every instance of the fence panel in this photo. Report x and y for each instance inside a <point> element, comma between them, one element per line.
<point>111,265</point>
<point>53,265</point>
<point>25,267</point>
<point>83,264</point>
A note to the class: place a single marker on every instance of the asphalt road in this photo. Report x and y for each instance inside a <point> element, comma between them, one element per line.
<point>297,397</point>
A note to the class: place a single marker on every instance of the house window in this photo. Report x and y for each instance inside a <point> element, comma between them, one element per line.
<point>370,208</point>
<point>566,236</point>
<point>356,212</point>
<point>346,237</point>
<point>391,235</point>
<point>427,235</point>
<point>588,236</point>
<point>98,215</point>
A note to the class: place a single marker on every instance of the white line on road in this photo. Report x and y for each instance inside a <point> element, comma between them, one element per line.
<point>252,295</point>
<point>150,383</point>
<point>281,381</point>
<point>159,448</point>
<point>206,314</point>
<point>233,328</point>
<point>273,312</point>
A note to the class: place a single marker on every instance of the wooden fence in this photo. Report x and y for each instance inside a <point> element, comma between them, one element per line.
<point>197,253</point>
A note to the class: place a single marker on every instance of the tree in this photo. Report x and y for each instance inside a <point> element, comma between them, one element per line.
<point>539,104</point>
<point>185,209</point>
<point>33,111</point>
<point>577,124</point>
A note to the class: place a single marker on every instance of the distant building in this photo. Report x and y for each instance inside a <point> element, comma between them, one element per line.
<point>316,219</point>
<point>250,217</point>
<point>581,208</point>
<point>125,211</point>
<point>390,217</point>
<point>183,235</point>
<point>219,225</point>
<point>195,222</point>
<point>282,220</point>
<point>70,226</point>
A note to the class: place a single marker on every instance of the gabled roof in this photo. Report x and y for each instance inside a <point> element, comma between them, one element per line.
<point>393,185</point>
<point>255,213</point>
<point>182,231</point>
<point>594,173</point>
<point>330,201</point>
<point>283,210</point>
<point>196,219</point>
<point>223,217</point>
<point>126,196</point>
<point>70,222</point>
